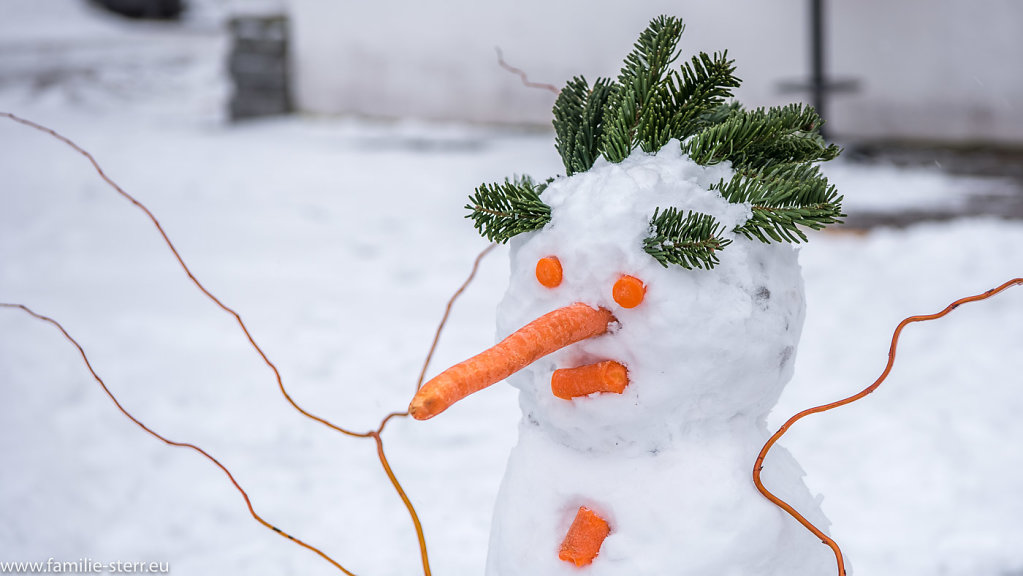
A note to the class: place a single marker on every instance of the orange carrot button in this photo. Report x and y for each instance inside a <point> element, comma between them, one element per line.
<point>628,291</point>
<point>582,543</point>
<point>548,271</point>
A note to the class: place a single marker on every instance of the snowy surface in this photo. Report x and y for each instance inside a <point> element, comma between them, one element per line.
<point>339,243</point>
<point>884,188</point>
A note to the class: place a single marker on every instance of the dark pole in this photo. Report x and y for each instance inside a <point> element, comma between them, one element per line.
<point>818,83</point>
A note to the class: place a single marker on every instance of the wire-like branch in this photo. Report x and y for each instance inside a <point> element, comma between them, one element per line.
<point>280,383</point>
<point>165,440</point>
<point>522,74</point>
<point>759,465</point>
<point>188,271</point>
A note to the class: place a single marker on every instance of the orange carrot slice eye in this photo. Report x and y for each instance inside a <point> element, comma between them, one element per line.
<point>548,271</point>
<point>628,291</point>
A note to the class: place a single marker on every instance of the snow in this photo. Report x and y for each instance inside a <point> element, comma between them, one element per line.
<point>339,243</point>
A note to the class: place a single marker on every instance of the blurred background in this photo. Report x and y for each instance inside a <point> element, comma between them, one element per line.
<point>908,71</point>
<point>310,159</point>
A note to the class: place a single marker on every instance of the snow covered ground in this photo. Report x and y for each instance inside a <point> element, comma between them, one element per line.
<point>339,242</point>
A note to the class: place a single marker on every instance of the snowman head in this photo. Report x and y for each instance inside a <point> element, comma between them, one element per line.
<point>701,349</point>
<point>658,269</point>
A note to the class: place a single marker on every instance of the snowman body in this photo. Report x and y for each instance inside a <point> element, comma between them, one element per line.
<point>668,462</point>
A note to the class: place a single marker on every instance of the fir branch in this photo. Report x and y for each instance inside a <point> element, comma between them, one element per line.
<point>699,90</point>
<point>720,114</point>
<point>762,137</point>
<point>783,197</point>
<point>578,115</point>
<point>687,239</point>
<point>773,185</point>
<point>772,151</point>
<point>635,112</point>
<point>503,210</point>
<point>779,224</point>
<point>656,126</point>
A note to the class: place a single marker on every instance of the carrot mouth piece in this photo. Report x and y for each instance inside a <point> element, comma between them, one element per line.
<point>545,335</point>
<point>601,377</point>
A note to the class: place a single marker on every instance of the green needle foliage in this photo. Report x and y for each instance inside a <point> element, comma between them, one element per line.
<point>773,151</point>
<point>503,210</point>
<point>688,239</point>
<point>578,122</point>
<point>761,137</point>
<point>782,198</point>
<point>699,91</point>
<point>639,107</point>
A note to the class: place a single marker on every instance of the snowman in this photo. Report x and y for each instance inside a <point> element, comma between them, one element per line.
<point>651,321</point>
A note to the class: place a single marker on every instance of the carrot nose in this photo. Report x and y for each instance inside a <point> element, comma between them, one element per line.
<point>548,333</point>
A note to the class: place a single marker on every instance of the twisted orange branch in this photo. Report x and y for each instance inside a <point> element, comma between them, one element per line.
<point>164,439</point>
<point>374,434</point>
<point>188,271</point>
<point>437,333</point>
<point>759,465</point>
<point>522,74</point>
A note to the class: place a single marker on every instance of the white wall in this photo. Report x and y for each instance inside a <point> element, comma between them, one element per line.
<point>947,69</point>
<point>943,69</point>
<point>437,59</point>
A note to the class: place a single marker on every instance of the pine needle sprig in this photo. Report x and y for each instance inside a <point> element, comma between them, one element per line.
<point>799,139</point>
<point>779,224</point>
<point>763,137</point>
<point>503,210</point>
<point>783,198</point>
<point>687,239</point>
<point>635,110</point>
<point>578,122</point>
<point>657,124</point>
<point>775,184</point>
<point>722,113</point>
<point>772,151</point>
<point>698,90</point>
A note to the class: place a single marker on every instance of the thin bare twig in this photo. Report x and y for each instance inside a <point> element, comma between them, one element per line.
<point>522,74</point>
<point>759,465</point>
<point>375,435</point>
